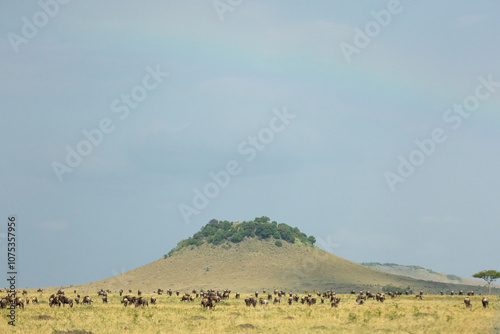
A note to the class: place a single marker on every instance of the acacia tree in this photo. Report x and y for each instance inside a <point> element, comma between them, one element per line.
<point>489,276</point>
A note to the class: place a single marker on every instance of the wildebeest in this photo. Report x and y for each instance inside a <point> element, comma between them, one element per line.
<point>277,300</point>
<point>141,301</point>
<point>19,302</point>
<point>485,302</point>
<point>34,300</point>
<point>87,300</point>
<point>139,292</point>
<point>207,302</point>
<point>105,299</point>
<point>3,302</point>
<point>54,300</point>
<point>121,292</point>
<point>153,300</point>
<point>290,299</point>
<point>467,302</point>
<point>249,301</point>
<point>77,299</point>
<point>237,295</point>
<point>25,292</point>
<point>418,295</point>
<point>263,301</point>
<point>65,300</point>
<point>39,290</point>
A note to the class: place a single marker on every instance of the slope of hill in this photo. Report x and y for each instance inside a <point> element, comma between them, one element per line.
<point>256,265</point>
<point>422,273</point>
<point>258,255</point>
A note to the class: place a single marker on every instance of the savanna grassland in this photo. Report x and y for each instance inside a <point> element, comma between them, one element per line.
<point>403,314</point>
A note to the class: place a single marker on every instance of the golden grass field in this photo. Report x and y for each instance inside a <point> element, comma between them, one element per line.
<point>403,314</point>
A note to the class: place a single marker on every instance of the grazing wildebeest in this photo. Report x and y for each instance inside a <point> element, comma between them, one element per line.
<point>19,302</point>
<point>77,299</point>
<point>141,301</point>
<point>105,299</point>
<point>249,301</point>
<point>418,295</point>
<point>256,294</point>
<point>65,300</point>
<point>277,300</point>
<point>153,300</point>
<point>160,292</point>
<point>25,292</point>
<point>485,302</point>
<point>121,292</point>
<point>34,300</point>
<point>54,300</point>
<point>290,299</point>
<point>263,301</point>
<point>237,295</point>
<point>185,297</point>
<point>460,293</point>
<point>39,290</point>
<point>442,293</point>
<point>467,302</point>
<point>207,302</point>
<point>139,292</point>
<point>3,303</point>
<point>87,300</point>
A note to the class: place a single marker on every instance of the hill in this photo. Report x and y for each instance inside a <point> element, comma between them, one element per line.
<point>422,273</point>
<point>261,260</point>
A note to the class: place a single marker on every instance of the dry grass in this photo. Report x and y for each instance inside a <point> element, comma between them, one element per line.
<point>403,314</point>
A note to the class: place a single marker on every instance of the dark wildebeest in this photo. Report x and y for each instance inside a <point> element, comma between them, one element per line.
<point>418,295</point>
<point>39,290</point>
<point>207,302</point>
<point>185,297</point>
<point>290,299</point>
<point>34,300</point>
<point>19,302</point>
<point>139,293</point>
<point>121,292</point>
<point>263,301</point>
<point>277,300</point>
<point>77,299</point>
<point>25,292</point>
<point>237,295</point>
<point>105,299</point>
<point>3,303</point>
<point>485,302</point>
<point>153,300</point>
<point>65,300</point>
<point>141,301</point>
<point>467,302</point>
<point>54,300</point>
<point>87,300</point>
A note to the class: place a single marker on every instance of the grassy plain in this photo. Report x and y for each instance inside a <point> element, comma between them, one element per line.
<point>403,314</point>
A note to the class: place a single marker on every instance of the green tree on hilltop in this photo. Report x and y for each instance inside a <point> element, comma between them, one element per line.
<point>489,276</point>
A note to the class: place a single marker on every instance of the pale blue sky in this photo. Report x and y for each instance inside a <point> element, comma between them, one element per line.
<point>324,172</point>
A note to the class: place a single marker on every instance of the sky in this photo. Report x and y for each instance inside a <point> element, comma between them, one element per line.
<point>127,125</point>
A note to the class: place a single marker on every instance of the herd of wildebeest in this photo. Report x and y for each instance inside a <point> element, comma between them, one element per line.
<point>210,298</point>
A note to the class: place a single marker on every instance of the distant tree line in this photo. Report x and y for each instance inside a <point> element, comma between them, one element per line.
<point>217,232</point>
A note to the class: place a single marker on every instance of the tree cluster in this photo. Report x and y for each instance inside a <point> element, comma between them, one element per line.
<point>217,232</point>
